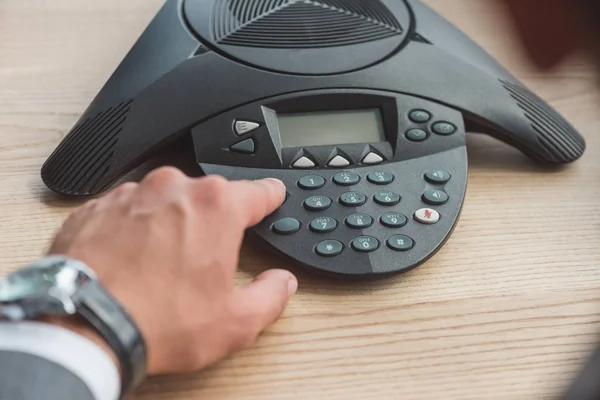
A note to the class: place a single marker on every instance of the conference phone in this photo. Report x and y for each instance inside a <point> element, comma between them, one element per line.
<point>360,107</point>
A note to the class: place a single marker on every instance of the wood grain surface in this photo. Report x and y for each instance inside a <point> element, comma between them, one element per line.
<point>507,310</point>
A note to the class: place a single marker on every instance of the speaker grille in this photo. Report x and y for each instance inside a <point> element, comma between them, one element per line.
<point>304,24</point>
<point>555,134</point>
<point>78,164</point>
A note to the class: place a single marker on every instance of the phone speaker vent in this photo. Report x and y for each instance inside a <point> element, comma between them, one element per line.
<point>555,134</point>
<point>78,164</point>
<point>302,24</point>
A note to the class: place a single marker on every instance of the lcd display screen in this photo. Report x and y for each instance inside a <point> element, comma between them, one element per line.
<point>331,128</point>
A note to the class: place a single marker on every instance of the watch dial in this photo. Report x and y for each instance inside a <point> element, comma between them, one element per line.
<point>26,284</point>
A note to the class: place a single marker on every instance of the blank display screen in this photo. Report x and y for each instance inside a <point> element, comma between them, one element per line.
<point>331,128</point>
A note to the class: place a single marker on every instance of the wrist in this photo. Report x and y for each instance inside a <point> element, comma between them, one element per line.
<point>87,331</point>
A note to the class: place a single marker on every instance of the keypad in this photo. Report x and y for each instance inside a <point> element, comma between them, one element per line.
<point>353,199</point>
<point>329,248</point>
<point>400,243</point>
<point>317,203</point>
<point>311,182</point>
<point>286,226</point>
<point>386,198</point>
<point>359,221</point>
<point>380,178</point>
<point>323,225</point>
<point>346,178</point>
<point>435,197</point>
<point>394,220</point>
<point>365,244</point>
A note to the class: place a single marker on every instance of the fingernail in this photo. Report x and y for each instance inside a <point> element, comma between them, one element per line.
<point>292,286</point>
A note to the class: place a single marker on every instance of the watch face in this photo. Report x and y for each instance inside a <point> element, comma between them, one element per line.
<point>32,283</point>
<point>21,286</point>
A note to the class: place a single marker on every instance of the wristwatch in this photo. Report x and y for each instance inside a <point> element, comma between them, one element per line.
<point>60,286</point>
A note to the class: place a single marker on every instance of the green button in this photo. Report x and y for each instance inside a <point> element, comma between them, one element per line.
<point>346,178</point>
<point>317,203</point>
<point>419,116</point>
<point>353,199</point>
<point>329,248</point>
<point>323,225</point>
<point>394,220</point>
<point>435,197</point>
<point>444,128</point>
<point>359,221</point>
<point>244,147</point>
<point>386,198</point>
<point>286,226</point>
<point>311,182</point>
<point>416,135</point>
<point>380,178</point>
<point>400,243</point>
<point>437,176</point>
<point>365,244</point>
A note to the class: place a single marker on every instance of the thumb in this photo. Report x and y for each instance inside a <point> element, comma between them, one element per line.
<point>263,301</point>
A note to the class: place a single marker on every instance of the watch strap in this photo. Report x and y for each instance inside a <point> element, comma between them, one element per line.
<point>116,326</point>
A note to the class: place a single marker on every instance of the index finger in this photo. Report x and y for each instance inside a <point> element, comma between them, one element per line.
<point>257,199</point>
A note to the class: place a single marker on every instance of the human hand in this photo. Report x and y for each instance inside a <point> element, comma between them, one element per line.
<point>168,249</point>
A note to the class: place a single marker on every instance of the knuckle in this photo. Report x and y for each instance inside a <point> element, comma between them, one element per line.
<point>164,176</point>
<point>214,191</point>
<point>124,188</point>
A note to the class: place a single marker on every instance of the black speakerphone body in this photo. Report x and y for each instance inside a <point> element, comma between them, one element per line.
<point>359,106</point>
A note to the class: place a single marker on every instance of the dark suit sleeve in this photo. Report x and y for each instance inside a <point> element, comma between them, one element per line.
<point>29,377</point>
<point>587,384</point>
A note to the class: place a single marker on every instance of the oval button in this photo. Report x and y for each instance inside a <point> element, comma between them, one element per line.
<point>427,216</point>
<point>365,244</point>
<point>323,225</point>
<point>329,248</point>
<point>286,226</point>
<point>400,243</point>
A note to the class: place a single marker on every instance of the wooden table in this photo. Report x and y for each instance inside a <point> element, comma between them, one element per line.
<point>507,310</point>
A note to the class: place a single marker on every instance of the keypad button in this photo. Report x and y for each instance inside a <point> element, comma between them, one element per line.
<point>304,163</point>
<point>244,147</point>
<point>444,128</point>
<point>437,176</point>
<point>365,244</point>
<point>427,216</point>
<point>359,221</point>
<point>243,127</point>
<point>435,197</point>
<point>353,199</point>
<point>329,248</point>
<point>419,116</point>
<point>311,182</point>
<point>286,226</point>
<point>346,178</point>
<point>394,220</point>
<point>380,178</point>
<point>416,135</point>
<point>338,162</point>
<point>400,243</point>
<point>323,225</point>
<point>372,159</point>
<point>317,203</point>
<point>386,198</point>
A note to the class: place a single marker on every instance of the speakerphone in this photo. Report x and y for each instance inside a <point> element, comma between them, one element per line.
<point>360,107</point>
